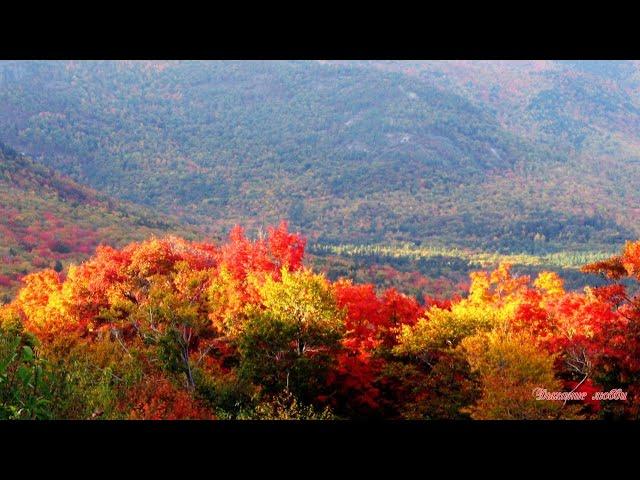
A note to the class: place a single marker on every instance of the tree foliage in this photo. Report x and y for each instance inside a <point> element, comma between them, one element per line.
<point>173,329</point>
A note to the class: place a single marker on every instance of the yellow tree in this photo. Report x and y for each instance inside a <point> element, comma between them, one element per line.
<point>493,300</point>
<point>488,330</point>
<point>511,368</point>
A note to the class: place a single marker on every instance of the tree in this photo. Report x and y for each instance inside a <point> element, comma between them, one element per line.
<point>290,339</point>
<point>511,368</point>
<point>25,383</point>
<point>58,266</point>
<point>614,338</point>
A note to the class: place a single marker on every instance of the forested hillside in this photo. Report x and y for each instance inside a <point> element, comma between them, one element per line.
<point>573,107</point>
<point>347,152</point>
<point>47,220</point>
<point>586,112</point>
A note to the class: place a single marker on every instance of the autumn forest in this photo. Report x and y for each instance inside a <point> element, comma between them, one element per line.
<point>319,240</point>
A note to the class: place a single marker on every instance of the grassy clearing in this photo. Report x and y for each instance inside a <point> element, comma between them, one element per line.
<point>564,260</point>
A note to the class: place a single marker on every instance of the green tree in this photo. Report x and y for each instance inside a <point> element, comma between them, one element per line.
<point>25,390</point>
<point>290,341</point>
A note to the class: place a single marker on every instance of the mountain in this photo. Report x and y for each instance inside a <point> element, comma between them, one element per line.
<point>48,220</point>
<point>574,107</point>
<point>586,112</point>
<point>502,156</point>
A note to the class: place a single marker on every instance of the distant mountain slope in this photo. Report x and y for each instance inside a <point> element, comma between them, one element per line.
<point>499,155</point>
<point>339,150</point>
<point>573,107</point>
<point>586,112</point>
<point>47,220</point>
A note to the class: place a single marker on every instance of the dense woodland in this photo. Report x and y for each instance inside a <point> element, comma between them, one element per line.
<point>172,329</point>
<point>48,220</point>
<point>457,154</point>
<point>472,236</point>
